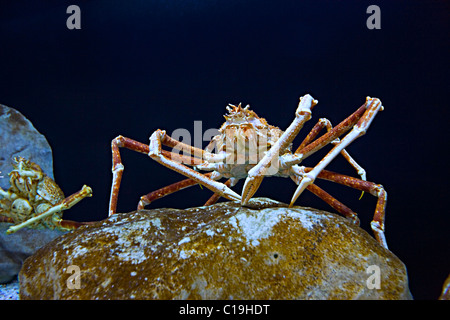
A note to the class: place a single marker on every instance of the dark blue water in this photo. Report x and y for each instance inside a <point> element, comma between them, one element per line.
<point>135,66</point>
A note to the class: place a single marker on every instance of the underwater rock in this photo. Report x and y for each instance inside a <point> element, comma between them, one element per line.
<point>224,251</point>
<point>15,248</point>
<point>18,137</point>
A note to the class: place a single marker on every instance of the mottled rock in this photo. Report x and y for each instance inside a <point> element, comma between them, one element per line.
<point>10,291</point>
<point>224,251</point>
<point>15,248</point>
<point>18,137</point>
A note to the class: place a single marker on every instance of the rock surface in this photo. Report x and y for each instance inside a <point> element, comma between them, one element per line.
<point>220,252</point>
<point>10,291</point>
<point>18,137</point>
<point>15,248</point>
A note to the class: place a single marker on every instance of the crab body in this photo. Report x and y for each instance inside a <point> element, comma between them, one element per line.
<point>243,141</point>
<point>44,188</point>
<point>31,193</point>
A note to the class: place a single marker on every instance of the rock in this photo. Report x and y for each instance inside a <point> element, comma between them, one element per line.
<point>10,291</point>
<point>15,248</point>
<point>223,251</point>
<point>18,137</point>
<point>445,295</point>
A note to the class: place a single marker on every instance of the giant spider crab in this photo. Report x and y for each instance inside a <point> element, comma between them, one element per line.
<point>34,199</point>
<point>248,147</point>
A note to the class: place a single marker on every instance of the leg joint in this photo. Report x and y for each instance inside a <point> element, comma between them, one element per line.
<point>118,141</point>
<point>118,167</point>
<point>378,191</point>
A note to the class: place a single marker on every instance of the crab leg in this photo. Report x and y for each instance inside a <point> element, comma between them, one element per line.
<point>256,174</point>
<point>162,192</point>
<point>297,175</point>
<point>373,106</point>
<point>331,135</point>
<point>117,168</point>
<point>174,187</point>
<point>377,190</point>
<point>199,154</point>
<point>67,203</point>
<point>374,189</point>
<point>322,123</point>
<point>334,203</point>
<point>156,154</point>
<point>216,196</point>
<point>307,147</point>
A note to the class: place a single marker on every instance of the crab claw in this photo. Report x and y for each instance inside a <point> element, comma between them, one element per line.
<point>251,184</point>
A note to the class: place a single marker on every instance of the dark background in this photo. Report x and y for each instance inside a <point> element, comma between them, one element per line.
<point>136,66</point>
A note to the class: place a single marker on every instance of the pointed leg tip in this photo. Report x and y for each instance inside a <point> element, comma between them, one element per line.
<point>230,194</point>
<point>251,185</point>
<point>245,200</point>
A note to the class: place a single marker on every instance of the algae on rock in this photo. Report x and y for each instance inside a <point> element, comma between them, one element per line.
<point>224,251</point>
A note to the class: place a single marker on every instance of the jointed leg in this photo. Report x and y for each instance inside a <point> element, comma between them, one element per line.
<point>374,189</point>
<point>306,148</point>
<point>198,155</point>
<point>256,174</point>
<point>160,193</point>
<point>169,159</point>
<point>309,147</point>
<point>334,203</point>
<point>174,187</point>
<point>373,106</point>
<point>216,196</point>
<point>297,176</point>
<point>156,154</point>
<point>325,123</point>
<point>117,168</point>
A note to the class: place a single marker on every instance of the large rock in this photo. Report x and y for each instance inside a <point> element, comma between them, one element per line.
<point>220,252</point>
<point>18,137</point>
<point>15,248</point>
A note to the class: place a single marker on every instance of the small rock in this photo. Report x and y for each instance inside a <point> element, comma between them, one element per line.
<point>18,137</point>
<point>15,248</point>
<point>223,251</point>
